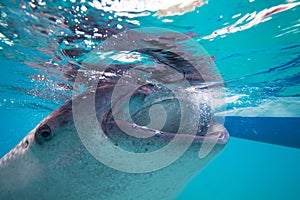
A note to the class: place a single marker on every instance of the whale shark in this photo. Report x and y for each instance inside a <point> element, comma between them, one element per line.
<point>168,133</point>
<point>51,162</point>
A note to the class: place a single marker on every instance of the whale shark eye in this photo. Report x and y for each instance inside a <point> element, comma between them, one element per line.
<point>43,134</point>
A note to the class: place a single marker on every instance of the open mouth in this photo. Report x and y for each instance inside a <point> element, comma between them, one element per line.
<point>152,112</point>
<point>216,134</point>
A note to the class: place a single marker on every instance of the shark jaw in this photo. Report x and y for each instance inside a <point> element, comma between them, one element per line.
<point>52,162</point>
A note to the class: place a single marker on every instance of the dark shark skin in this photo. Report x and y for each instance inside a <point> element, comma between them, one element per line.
<point>60,167</point>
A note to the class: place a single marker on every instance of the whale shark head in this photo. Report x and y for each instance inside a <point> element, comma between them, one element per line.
<point>119,139</point>
<point>53,162</point>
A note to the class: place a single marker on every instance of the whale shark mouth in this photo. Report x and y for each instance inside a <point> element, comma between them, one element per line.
<point>139,121</point>
<point>218,134</point>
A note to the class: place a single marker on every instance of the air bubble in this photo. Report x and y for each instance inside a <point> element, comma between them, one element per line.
<point>119,26</point>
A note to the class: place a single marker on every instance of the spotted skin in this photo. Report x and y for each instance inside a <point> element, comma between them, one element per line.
<point>62,168</point>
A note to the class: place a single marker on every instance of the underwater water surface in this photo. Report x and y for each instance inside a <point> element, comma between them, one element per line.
<point>256,49</point>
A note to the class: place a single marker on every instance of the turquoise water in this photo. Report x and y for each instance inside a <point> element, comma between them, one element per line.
<point>256,48</point>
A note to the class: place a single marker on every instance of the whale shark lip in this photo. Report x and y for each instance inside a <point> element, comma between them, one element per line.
<point>218,135</point>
